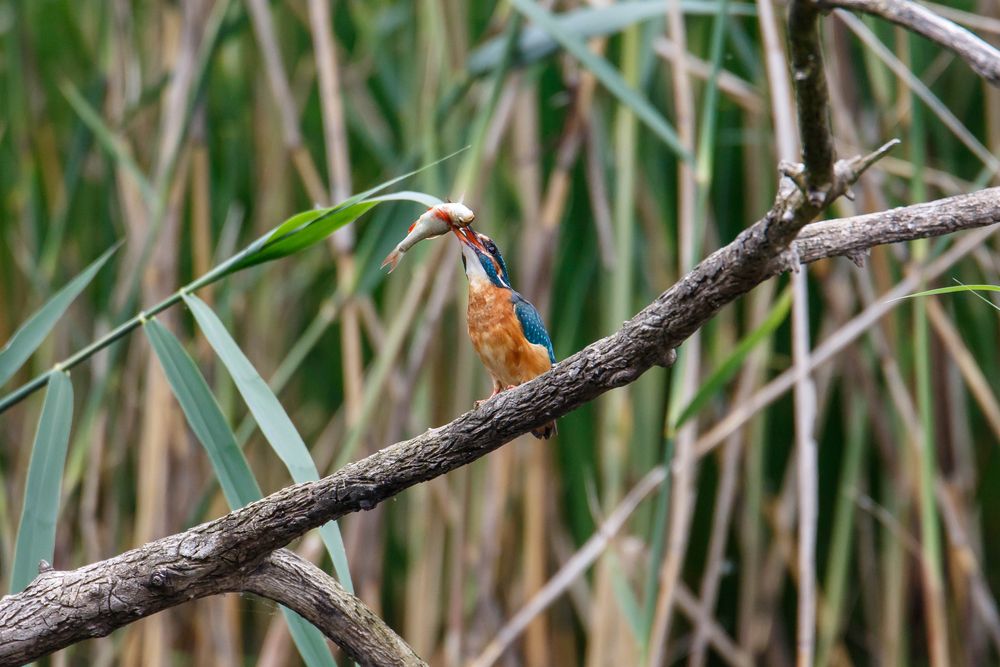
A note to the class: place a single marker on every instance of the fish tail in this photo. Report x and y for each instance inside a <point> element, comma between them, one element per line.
<point>391,260</point>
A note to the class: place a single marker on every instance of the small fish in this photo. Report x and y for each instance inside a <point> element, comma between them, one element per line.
<point>436,221</point>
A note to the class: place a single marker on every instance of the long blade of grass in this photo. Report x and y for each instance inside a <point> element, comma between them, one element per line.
<point>409,195</point>
<point>952,289</point>
<point>301,231</point>
<point>204,416</point>
<point>607,75</point>
<point>274,422</point>
<point>36,534</point>
<point>305,229</point>
<point>231,468</point>
<point>309,641</point>
<point>734,361</point>
<point>309,227</point>
<point>31,334</point>
<point>281,241</point>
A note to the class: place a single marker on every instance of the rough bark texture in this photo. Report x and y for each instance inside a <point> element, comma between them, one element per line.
<point>980,56</point>
<point>848,236</point>
<point>812,100</point>
<point>61,608</point>
<point>316,596</point>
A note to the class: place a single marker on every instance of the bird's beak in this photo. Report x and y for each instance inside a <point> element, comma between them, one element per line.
<point>468,237</point>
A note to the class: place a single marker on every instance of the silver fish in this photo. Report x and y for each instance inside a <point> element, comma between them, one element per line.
<point>436,221</point>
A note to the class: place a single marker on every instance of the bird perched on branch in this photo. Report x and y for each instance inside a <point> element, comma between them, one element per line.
<point>506,330</point>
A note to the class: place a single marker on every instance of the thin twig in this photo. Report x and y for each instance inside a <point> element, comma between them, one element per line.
<point>981,57</point>
<point>920,89</point>
<point>717,637</point>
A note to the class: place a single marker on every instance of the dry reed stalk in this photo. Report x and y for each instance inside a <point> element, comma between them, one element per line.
<point>689,234</point>
<point>749,380</point>
<point>836,342</point>
<point>976,382</point>
<point>741,91</point>
<point>534,460</point>
<point>571,570</point>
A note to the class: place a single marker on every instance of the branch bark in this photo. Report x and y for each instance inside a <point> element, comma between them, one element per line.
<point>60,608</point>
<point>307,590</point>
<point>811,95</point>
<point>980,56</point>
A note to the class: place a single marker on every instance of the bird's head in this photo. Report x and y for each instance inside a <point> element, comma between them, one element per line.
<point>482,258</point>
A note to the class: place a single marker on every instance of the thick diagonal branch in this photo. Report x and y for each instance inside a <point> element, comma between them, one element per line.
<point>61,608</point>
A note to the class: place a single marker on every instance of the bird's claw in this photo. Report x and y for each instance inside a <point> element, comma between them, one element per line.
<point>496,390</point>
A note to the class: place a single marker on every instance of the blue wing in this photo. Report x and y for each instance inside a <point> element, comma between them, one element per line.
<point>531,324</point>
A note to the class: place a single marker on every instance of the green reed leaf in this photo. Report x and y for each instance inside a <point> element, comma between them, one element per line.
<point>36,533</point>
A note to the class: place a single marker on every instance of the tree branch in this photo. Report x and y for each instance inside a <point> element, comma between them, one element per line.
<point>850,236</point>
<point>980,56</point>
<point>61,608</point>
<point>811,96</point>
<point>307,590</point>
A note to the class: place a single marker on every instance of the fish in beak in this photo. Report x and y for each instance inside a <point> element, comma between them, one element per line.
<point>435,221</point>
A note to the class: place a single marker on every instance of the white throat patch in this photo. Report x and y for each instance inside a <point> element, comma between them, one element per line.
<point>473,268</point>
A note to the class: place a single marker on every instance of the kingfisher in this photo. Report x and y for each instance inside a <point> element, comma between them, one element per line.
<point>506,330</point>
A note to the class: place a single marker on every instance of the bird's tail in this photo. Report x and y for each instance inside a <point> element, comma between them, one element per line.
<point>391,260</point>
<point>545,431</point>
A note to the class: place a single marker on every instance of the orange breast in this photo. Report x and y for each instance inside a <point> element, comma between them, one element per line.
<point>497,337</point>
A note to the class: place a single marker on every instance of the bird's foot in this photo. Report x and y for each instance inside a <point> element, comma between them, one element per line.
<point>497,389</point>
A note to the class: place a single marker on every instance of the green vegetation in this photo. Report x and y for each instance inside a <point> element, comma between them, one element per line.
<point>149,152</point>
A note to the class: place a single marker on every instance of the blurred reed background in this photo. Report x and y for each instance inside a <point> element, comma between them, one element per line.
<point>188,128</point>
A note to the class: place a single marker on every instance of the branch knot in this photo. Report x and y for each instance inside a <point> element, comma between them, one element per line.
<point>159,580</point>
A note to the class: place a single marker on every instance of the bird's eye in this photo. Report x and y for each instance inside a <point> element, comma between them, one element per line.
<point>492,247</point>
